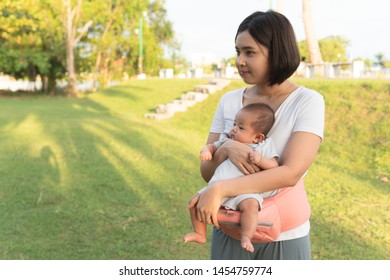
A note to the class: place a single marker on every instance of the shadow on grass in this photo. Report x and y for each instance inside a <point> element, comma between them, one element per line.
<point>100,189</point>
<point>124,91</point>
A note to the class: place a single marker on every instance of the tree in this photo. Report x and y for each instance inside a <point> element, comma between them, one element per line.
<point>380,58</point>
<point>112,42</point>
<point>311,39</point>
<point>53,43</point>
<point>31,42</point>
<point>163,32</point>
<point>111,37</point>
<point>40,37</point>
<point>333,48</point>
<point>21,54</point>
<point>73,36</point>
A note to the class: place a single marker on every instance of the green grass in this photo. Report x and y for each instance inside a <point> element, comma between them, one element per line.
<point>91,178</point>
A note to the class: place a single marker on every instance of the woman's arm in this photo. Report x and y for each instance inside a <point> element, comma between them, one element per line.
<point>207,168</point>
<point>296,160</point>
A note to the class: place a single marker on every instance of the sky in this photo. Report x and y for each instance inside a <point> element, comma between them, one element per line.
<point>209,26</point>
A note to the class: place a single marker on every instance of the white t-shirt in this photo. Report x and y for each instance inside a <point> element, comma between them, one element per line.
<point>227,170</point>
<point>302,110</point>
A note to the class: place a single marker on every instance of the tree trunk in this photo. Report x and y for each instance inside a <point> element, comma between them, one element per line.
<point>72,81</point>
<point>106,72</point>
<point>311,39</point>
<point>51,84</point>
<point>98,70</point>
<point>71,41</point>
<point>44,83</point>
<point>32,74</point>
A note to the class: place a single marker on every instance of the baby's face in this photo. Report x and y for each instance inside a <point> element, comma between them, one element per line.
<point>242,130</point>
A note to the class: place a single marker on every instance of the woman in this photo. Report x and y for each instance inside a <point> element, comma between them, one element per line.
<point>267,55</point>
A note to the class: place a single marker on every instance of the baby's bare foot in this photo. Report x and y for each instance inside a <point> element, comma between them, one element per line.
<point>246,244</point>
<point>195,237</point>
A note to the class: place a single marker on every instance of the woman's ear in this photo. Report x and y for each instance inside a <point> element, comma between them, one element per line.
<point>259,138</point>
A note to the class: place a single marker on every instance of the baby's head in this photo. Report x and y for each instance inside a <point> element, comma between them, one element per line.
<point>252,123</point>
<point>263,117</point>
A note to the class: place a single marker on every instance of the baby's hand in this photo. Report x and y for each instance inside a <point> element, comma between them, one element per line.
<point>255,157</point>
<point>205,154</point>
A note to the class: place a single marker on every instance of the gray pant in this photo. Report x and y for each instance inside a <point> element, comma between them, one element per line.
<point>224,247</point>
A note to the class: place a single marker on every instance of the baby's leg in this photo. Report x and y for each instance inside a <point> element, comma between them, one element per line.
<point>199,234</point>
<point>249,218</point>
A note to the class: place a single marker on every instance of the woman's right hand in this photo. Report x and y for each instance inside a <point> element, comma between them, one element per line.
<point>207,204</point>
<point>239,153</point>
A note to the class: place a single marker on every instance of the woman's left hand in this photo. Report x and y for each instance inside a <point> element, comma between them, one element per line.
<point>208,204</point>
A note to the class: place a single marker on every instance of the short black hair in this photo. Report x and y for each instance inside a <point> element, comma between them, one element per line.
<point>275,32</point>
<point>264,117</point>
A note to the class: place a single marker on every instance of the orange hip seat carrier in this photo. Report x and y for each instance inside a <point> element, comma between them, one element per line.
<point>285,211</point>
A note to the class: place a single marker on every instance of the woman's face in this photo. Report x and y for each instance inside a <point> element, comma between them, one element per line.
<point>252,59</point>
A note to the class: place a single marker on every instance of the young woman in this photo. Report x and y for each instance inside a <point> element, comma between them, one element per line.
<point>251,124</point>
<point>267,55</point>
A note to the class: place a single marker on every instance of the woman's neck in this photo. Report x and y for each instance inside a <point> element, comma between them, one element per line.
<point>273,96</point>
<point>275,91</point>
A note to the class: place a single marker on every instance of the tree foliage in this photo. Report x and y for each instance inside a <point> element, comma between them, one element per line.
<point>333,48</point>
<point>31,43</point>
<point>380,59</point>
<point>33,38</point>
<point>20,50</point>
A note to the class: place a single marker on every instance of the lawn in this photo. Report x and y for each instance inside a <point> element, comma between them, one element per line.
<point>92,178</point>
